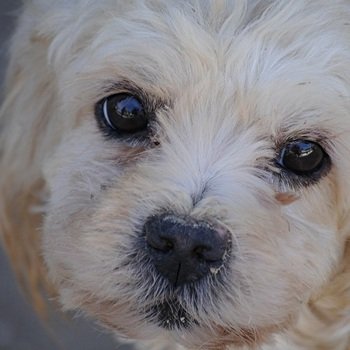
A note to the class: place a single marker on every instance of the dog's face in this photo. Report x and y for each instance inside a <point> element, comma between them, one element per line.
<point>199,191</point>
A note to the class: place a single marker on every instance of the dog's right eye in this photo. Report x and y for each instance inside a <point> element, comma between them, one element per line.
<point>123,113</point>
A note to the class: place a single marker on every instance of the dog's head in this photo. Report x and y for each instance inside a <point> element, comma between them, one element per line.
<point>195,160</point>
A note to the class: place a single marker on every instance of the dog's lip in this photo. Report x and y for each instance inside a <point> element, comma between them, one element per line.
<point>170,314</point>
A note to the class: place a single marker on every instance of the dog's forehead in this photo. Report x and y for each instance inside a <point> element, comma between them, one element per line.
<point>210,49</point>
<point>173,43</point>
<point>190,36</point>
<point>159,42</point>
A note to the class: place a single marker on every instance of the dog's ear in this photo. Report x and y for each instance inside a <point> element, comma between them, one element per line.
<point>27,135</point>
<point>325,318</point>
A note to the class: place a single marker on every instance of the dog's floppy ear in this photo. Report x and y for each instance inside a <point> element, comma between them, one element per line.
<point>27,135</point>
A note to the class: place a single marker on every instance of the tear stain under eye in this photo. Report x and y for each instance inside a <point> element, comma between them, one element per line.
<point>129,154</point>
<point>286,198</point>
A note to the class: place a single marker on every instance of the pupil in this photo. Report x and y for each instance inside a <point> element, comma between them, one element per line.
<point>302,149</point>
<point>302,156</point>
<point>125,113</point>
<point>128,107</point>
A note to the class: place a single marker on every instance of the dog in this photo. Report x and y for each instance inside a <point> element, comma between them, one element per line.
<point>182,168</point>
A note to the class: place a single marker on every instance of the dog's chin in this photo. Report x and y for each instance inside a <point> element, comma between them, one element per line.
<point>169,319</point>
<point>172,317</point>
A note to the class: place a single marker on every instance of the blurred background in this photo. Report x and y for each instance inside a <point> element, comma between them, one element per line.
<point>20,329</point>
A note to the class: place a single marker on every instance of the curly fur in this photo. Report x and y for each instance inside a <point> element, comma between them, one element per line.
<point>231,82</point>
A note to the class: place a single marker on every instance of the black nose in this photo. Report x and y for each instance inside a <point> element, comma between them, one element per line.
<point>184,250</point>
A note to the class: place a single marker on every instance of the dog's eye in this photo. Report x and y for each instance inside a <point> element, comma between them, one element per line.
<point>124,113</point>
<point>302,157</point>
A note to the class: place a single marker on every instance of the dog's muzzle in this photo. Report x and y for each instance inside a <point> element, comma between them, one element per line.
<point>184,250</point>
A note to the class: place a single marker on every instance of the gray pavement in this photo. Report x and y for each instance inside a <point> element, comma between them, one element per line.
<point>20,329</point>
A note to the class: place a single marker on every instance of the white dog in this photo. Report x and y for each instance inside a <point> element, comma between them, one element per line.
<point>190,160</point>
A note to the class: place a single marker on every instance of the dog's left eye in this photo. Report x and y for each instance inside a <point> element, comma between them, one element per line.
<point>302,157</point>
<point>124,113</point>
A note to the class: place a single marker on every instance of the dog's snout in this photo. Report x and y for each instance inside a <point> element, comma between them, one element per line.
<point>183,249</point>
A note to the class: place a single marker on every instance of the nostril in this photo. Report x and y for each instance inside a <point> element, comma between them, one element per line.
<point>167,245</point>
<point>155,239</point>
<point>206,255</point>
<point>158,243</point>
<point>199,251</point>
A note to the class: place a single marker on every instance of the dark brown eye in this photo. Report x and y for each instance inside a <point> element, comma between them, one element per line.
<point>124,113</point>
<point>302,157</point>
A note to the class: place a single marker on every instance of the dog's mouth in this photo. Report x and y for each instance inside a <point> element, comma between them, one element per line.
<point>170,315</point>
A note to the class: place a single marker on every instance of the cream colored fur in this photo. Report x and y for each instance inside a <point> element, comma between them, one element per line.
<point>237,79</point>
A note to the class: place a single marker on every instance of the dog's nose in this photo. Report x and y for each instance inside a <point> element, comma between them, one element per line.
<point>184,250</point>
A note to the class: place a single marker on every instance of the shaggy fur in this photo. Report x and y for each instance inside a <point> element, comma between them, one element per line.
<point>230,83</point>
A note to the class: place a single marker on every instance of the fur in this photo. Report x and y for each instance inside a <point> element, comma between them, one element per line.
<point>233,82</point>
